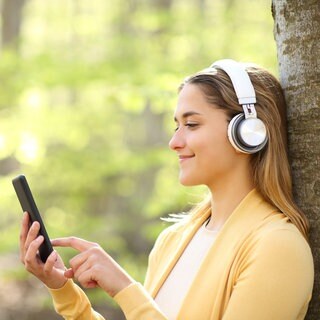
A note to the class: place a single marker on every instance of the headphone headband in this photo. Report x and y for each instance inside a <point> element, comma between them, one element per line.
<point>246,132</point>
<point>240,80</point>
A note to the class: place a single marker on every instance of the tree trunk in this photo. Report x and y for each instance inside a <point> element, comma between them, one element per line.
<point>297,33</point>
<point>11,14</point>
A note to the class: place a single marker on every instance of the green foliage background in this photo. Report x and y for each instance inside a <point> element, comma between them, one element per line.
<point>86,108</point>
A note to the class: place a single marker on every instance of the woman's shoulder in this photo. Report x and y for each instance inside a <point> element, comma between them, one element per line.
<point>279,236</point>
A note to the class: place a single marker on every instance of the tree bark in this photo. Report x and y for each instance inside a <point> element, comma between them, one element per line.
<point>11,14</point>
<point>297,34</point>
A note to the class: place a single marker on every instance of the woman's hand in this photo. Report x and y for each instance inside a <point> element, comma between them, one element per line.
<point>94,267</point>
<point>51,273</point>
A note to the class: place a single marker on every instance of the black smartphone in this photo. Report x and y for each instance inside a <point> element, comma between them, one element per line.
<point>28,204</point>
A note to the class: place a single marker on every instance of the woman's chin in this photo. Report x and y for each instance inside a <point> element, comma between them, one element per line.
<point>187,182</point>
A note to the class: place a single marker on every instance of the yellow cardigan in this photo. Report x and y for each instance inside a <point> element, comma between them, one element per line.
<point>260,267</point>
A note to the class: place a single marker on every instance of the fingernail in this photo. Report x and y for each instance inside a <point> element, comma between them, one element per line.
<point>69,273</point>
<point>54,255</point>
<point>34,225</point>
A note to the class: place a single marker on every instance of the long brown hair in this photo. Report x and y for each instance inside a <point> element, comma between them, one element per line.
<point>270,166</point>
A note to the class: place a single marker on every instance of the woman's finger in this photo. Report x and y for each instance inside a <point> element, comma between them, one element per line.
<point>81,264</point>
<point>23,234</point>
<point>87,280</point>
<point>73,242</point>
<point>69,273</point>
<point>88,258</point>
<point>31,253</point>
<point>24,227</point>
<point>32,234</point>
<point>51,260</point>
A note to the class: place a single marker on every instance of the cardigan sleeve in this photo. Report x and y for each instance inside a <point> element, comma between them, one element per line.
<point>275,281</point>
<point>136,303</point>
<point>72,303</point>
<point>135,300</point>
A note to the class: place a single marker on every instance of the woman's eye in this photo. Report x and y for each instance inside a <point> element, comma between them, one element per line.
<point>191,125</point>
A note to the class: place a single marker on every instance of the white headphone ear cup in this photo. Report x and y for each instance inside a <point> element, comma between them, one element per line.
<point>247,135</point>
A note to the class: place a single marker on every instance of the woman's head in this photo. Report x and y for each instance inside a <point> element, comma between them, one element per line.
<point>270,166</point>
<point>205,155</point>
<point>216,85</point>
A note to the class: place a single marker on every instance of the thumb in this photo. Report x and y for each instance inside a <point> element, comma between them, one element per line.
<point>69,273</point>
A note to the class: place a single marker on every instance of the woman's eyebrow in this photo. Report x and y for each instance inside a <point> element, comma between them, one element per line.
<point>188,114</point>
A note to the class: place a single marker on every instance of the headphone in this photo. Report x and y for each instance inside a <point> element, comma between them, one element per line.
<point>246,132</point>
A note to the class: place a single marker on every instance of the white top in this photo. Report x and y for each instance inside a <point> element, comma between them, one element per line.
<point>176,286</point>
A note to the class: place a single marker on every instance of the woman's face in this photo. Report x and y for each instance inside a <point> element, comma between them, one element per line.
<point>200,140</point>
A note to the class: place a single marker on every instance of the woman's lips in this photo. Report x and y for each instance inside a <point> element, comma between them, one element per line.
<point>183,158</point>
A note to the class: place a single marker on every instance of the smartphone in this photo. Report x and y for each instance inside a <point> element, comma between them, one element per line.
<point>28,204</point>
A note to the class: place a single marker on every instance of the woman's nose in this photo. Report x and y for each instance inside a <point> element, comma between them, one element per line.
<point>177,141</point>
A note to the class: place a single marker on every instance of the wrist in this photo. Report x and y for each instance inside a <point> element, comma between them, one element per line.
<point>56,284</point>
<point>123,283</point>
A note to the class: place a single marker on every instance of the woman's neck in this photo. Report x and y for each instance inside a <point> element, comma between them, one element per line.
<point>225,200</point>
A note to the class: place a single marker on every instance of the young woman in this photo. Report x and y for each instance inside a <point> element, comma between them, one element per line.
<point>240,254</point>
